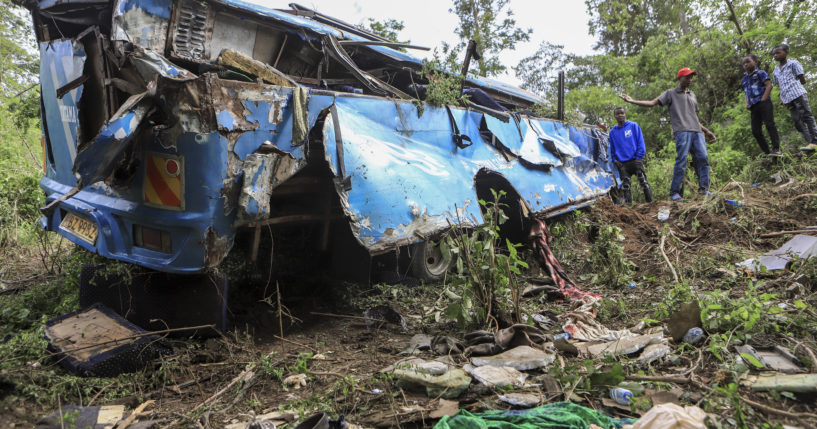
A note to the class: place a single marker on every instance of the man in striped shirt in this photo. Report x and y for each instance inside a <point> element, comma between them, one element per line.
<point>789,76</point>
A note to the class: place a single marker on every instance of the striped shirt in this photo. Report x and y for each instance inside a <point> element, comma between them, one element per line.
<point>785,77</point>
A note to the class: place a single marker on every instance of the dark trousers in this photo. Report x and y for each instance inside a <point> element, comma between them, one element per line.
<point>763,113</point>
<point>627,169</point>
<point>803,119</point>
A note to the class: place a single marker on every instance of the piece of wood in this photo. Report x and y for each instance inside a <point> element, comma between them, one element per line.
<point>127,421</point>
<point>237,60</point>
<point>794,231</point>
<point>245,376</point>
<point>658,379</point>
<point>674,274</point>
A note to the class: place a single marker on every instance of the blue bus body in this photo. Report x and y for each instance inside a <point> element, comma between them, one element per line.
<point>171,126</point>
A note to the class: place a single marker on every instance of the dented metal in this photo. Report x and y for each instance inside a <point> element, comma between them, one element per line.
<point>204,133</point>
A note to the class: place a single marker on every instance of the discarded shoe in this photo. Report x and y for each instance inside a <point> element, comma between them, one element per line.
<point>811,147</point>
<point>675,197</point>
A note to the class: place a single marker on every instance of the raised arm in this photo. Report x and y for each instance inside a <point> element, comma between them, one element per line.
<point>645,103</point>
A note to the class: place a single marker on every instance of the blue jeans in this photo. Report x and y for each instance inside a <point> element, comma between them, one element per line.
<point>686,141</point>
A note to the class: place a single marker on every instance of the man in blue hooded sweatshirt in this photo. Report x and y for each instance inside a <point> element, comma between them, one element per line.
<point>627,147</point>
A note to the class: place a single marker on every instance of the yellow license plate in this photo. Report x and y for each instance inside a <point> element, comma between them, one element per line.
<point>80,227</point>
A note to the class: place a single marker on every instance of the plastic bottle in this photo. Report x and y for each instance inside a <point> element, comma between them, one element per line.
<point>631,285</point>
<point>565,335</point>
<point>663,214</point>
<point>736,203</point>
<point>621,396</point>
<point>694,336</point>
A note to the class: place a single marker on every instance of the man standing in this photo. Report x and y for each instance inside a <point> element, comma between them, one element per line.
<point>686,129</point>
<point>628,149</point>
<point>789,76</point>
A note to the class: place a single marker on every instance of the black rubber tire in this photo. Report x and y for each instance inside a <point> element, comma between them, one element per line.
<point>427,262</point>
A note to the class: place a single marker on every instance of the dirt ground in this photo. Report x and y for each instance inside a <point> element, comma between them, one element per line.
<point>230,379</point>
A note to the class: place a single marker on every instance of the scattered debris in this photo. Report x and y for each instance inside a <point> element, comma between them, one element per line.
<point>448,385</point>
<point>444,345</point>
<point>418,343</point>
<point>797,383</point>
<point>94,417</point>
<point>97,342</point>
<point>777,359</point>
<point>621,396</point>
<point>663,214</point>
<point>801,247</point>
<point>296,380</point>
<point>653,352</point>
<point>523,400</point>
<point>434,367</point>
<point>694,336</point>
<point>582,325</point>
<point>624,346</point>
<point>523,358</point>
<point>322,421</point>
<point>496,376</point>
<point>671,416</point>
<point>376,317</point>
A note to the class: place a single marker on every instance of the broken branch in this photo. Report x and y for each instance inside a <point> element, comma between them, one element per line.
<point>664,254</point>
<point>811,229</point>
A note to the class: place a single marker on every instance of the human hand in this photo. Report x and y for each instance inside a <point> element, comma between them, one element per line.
<point>748,105</point>
<point>711,137</point>
<point>626,98</point>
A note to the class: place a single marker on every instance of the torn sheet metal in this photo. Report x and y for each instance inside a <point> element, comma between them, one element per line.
<point>97,159</point>
<point>555,136</point>
<point>142,22</point>
<point>150,65</point>
<point>522,141</point>
<point>801,246</point>
<point>409,180</point>
<point>62,62</point>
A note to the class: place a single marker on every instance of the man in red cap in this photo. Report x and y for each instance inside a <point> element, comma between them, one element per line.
<point>686,129</point>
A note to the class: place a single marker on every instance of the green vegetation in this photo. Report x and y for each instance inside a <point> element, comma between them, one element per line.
<point>643,44</point>
<point>486,291</point>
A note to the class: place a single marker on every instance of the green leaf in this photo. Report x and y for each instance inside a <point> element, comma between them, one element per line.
<point>752,360</point>
<point>444,249</point>
<point>799,304</point>
<point>609,378</point>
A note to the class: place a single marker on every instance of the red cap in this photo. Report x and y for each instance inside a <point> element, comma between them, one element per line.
<point>686,71</point>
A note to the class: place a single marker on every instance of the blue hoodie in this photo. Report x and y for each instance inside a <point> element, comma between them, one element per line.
<point>627,142</point>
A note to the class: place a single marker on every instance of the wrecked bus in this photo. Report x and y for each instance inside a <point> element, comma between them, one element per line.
<point>174,131</point>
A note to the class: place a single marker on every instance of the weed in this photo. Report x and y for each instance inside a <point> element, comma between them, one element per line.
<point>680,293</point>
<point>443,88</point>
<point>485,287</point>
<point>270,367</point>
<point>607,255</point>
<point>301,363</point>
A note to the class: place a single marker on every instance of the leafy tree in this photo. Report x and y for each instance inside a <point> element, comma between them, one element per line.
<point>19,65</point>
<point>538,71</point>
<point>18,60</point>
<point>489,23</point>
<point>388,29</point>
<point>623,27</point>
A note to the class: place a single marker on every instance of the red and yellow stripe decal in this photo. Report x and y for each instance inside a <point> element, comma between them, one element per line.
<point>163,181</point>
